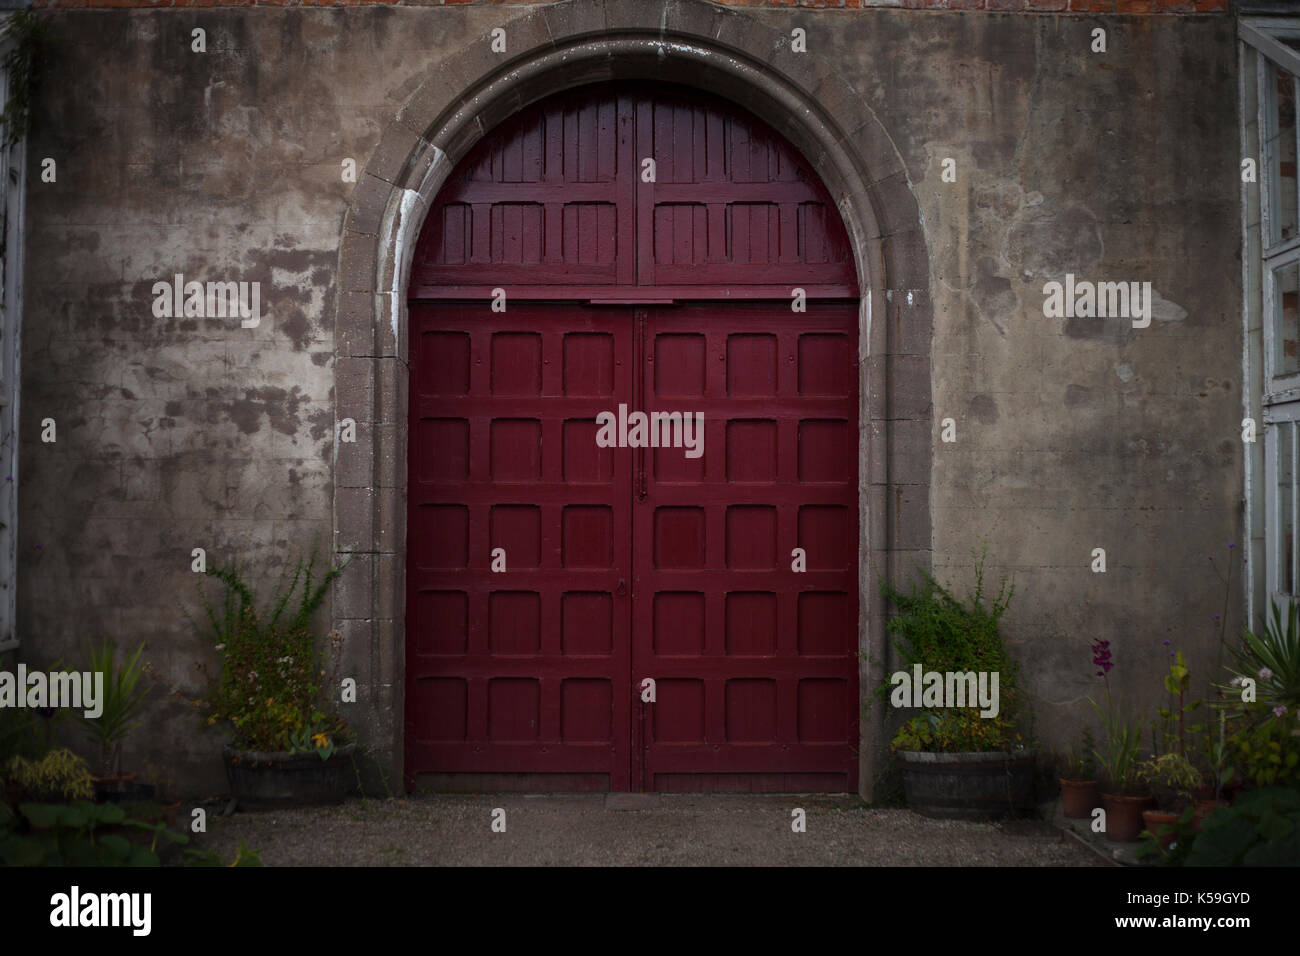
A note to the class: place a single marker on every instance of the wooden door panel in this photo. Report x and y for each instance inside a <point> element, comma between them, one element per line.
<point>559,197</point>
<point>755,665</point>
<point>524,671</point>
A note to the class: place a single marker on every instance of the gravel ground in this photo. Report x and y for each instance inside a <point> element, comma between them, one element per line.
<point>656,830</point>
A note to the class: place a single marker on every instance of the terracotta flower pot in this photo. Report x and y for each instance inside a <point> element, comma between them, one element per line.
<point>1078,798</point>
<point>1205,807</point>
<point>1124,816</point>
<point>113,787</point>
<point>1154,820</point>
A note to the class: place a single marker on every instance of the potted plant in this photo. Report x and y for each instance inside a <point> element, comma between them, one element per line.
<point>289,747</point>
<point>959,761</point>
<point>59,775</point>
<point>1078,778</point>
<point>1123,796</point>
<point>123,697</point>
<point>1218,773</point>
<point>1172,779</point>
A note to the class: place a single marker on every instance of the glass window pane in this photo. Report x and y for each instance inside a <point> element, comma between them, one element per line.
<point>1285,513</point>
<point>1286,319</point>
<point>1282,156</point>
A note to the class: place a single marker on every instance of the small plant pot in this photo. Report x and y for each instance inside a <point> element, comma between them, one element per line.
<point>1124,816</point>
<point>124,789</point>
<point>1205,807</point>
<point>1078,798</point>
<point>113,787</point>
<point>1154,820</point>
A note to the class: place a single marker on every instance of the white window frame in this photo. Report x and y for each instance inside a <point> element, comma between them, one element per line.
<point>1274,398</point>
<point>1285,252</point>
<point>1280,419</point>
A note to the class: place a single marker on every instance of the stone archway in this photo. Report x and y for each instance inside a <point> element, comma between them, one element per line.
<point>689,42</point>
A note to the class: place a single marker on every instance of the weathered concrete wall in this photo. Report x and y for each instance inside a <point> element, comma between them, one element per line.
<point>1071,434</point>
<point>1083,433</point>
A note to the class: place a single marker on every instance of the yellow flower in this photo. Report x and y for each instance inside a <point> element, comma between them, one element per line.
<point>321,739</point>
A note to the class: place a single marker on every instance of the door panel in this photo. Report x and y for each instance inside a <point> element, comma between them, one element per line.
<point>525,671</point>
<point>755,664</point>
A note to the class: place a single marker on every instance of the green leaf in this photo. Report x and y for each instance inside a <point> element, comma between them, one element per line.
<point>45,815</point>
<point>142,856</point>
<point>21,851</point>
<point>119,847</point>
<point>191,857</point>
<point>1285,852</point>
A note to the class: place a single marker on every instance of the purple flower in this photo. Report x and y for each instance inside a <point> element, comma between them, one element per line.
<point>1232,544</point>
<point>1216,617</point>
<point>1165,642</point>
<point>1265,673</point>
<point>1279,710</point>
<point>1101,656</point>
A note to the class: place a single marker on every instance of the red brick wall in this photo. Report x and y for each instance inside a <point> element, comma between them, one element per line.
<point>1046,6</point>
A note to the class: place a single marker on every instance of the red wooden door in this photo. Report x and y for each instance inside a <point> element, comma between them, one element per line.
<point>628,563</point>
<point>521,671</point>
<point>755,662</point>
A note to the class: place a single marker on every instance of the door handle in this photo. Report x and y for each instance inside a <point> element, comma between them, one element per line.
<point>621,590</point>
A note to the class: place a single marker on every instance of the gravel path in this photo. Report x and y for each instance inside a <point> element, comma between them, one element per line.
<point>655,830</point>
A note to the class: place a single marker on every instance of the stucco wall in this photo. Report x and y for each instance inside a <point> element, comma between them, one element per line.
<point>1071,434</point>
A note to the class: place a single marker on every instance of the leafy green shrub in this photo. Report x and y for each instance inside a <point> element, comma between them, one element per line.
<point>955,730</point>
<point>59,775</point>
<point>1261,828</point>
<point>82,833</point>
<point>271,663</point>
<point>1172,780</point>
<point>1266,747</point>
<point>943,633</point>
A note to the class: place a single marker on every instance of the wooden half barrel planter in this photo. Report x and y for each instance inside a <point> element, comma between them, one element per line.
<point>969,786</point>
<point>279,780</point>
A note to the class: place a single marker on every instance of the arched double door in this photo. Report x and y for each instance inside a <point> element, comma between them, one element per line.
<point>632,540</point>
